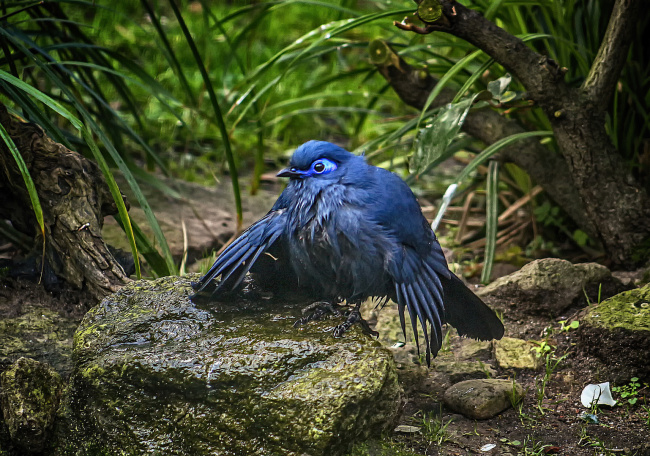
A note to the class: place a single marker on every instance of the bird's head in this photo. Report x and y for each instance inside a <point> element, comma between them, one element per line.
<point>318,159</point>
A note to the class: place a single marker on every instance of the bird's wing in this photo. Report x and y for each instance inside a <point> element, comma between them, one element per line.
<point>419,290</point>
<point>423,283</point>
<point>240,256</point>
<point>416,262</point>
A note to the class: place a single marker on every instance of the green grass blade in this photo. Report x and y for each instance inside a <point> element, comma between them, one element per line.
<point>154,260</point>
<point>460,65</point>
<point>491,221</point>
<point>494,148</point>
<point>217,111</point>
<point>168,52</point>
<point>29,183</point>
<point>109,147</point>
<point>40,96</point>
<point>472,79</point>
<point>117,196</point>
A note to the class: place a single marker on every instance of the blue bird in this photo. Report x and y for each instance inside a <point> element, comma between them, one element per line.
<point>346,231</point>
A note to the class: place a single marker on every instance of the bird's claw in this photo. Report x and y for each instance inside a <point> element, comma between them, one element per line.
<point>316,311</point>
<point>354,317</point>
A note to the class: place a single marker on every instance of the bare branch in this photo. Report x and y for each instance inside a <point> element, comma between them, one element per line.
<point>612,55</point>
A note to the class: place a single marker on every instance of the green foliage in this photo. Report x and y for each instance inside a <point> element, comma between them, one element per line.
<point>205,88</point>
<point>434,428</point>
<point>630,392</point>
<point>564,327</point>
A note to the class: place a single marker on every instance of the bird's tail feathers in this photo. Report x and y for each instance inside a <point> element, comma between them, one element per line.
<point>424,303</point>
<point>468,313</point>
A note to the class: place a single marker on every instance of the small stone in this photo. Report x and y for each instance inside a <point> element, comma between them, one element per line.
<point>512,353</point>
<point>29,397</point>
<point>481,399</point>
<point>460,371</point>
<point>472,350</point>
<point>406,429</point>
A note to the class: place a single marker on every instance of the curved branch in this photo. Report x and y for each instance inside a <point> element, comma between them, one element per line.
<point>612,54</point>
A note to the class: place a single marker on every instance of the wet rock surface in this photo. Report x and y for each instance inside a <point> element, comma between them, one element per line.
<point>617,332</point>
<point>29,398</point>
<point>155,373</point>
<point>550,286</point>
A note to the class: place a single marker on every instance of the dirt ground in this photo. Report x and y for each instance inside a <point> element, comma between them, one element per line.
<point>552,425</point>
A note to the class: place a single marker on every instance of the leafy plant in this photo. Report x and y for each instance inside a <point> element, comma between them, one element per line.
<point>551,363</point>
<point>630,392</point>
<point>564,327</point>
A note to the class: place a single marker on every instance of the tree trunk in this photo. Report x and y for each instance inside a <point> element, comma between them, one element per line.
<point>74,198</point>
<point>617,205</point>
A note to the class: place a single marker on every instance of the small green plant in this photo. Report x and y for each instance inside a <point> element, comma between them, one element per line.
<point>542,348</point>
<point>485,369</point>
<point>600,289</point>
<point>517,402</point>
<point>594,442</point>
<point>646,418</point>
<point>532,447</point>
<point>630,392</point>
<point>551,363</point>
<point>513,443</point>
<point>446,341</point>
<point>434,428</point>
<point>564,327</point>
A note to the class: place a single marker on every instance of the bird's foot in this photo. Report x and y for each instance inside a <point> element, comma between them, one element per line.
<point>354,317</point>
<point>316,311</point>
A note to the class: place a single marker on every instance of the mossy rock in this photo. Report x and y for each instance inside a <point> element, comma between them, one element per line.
<point>29,397</point>
<point>512,353</point>
<point>155,373</point>
<point>39,333</point>
<point>617,332</point>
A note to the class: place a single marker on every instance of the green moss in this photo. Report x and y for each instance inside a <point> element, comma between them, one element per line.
<point>30,397</point>
<point>38,333</point>
<point>628,310</point>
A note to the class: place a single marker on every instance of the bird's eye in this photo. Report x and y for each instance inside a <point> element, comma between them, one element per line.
<point>323,166</point>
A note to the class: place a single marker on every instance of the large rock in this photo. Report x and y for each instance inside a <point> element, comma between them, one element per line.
<point>551,286</point>
<point>156,374</point>
<point>29,397</point>
<point>617,332</point>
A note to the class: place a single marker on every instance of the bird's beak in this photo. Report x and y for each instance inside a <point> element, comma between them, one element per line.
<point>290,172</point>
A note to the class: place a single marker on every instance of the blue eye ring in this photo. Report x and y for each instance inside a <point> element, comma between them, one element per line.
<point>323,166</point>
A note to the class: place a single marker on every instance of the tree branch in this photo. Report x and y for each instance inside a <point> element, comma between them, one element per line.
<point>616,203</point>
<point>612,54</point>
